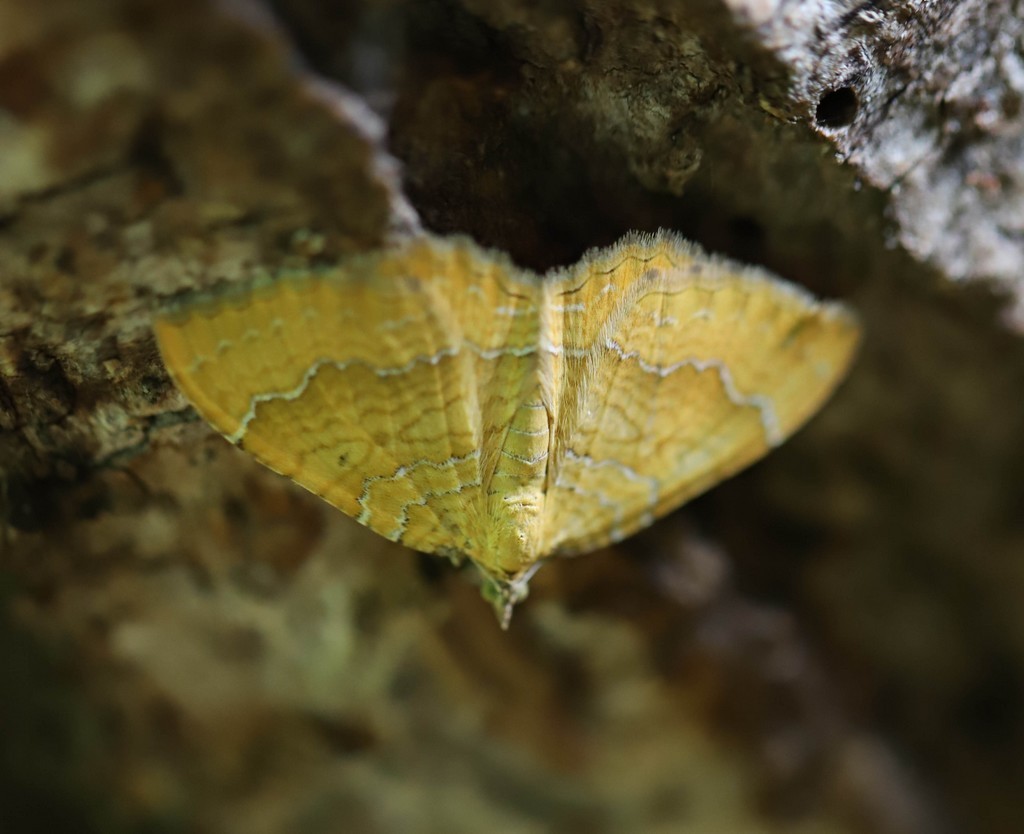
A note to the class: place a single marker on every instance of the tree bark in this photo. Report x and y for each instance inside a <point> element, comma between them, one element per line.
<point>829,642</point>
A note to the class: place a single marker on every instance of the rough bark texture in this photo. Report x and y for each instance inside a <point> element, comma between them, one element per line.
<point>832,642</point>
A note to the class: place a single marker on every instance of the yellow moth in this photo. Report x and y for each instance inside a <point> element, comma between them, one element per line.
<point>462,406</point>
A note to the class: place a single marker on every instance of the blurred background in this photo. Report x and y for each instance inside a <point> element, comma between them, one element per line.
<point>832,641</point>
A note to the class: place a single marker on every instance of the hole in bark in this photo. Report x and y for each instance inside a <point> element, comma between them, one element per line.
<point>837,108</point>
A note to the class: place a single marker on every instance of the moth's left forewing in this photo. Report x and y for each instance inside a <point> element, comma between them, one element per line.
<point>352,382</point>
